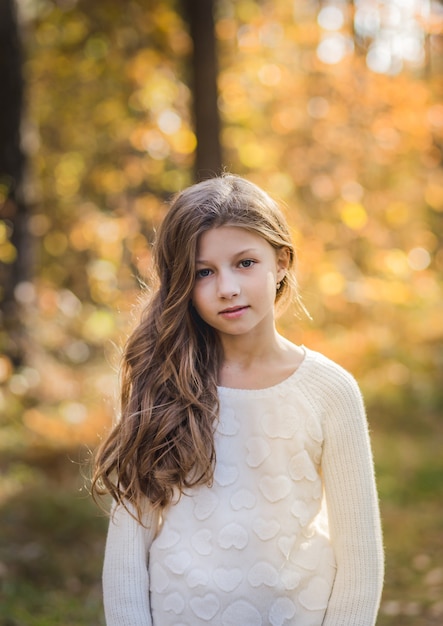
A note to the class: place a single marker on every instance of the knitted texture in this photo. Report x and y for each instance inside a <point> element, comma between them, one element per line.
<point>289,532</point>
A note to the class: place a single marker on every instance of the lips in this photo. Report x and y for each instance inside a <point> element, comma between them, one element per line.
<point>233,311</point>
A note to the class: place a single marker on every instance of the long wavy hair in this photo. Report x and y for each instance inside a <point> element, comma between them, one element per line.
<point>163,443</point>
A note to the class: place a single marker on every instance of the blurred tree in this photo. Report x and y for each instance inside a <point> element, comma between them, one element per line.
<point>208,158</point>
<point>15,259</point>
<point>357,162</point>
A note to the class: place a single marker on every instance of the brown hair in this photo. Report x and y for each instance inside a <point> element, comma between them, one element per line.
<point>164,440</point>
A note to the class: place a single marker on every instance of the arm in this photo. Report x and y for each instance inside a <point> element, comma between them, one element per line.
<point>125,569</point>
<point>354,518</point>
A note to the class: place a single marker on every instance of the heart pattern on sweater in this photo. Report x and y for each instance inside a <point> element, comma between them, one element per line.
<point>202,541</point>
<point>197,577</point>
<point>290,579</point>
<point>285,544</point>
<point>243,613</point>
<point>315,596</point>
<point>174,602</point>
<point>228,424</point>
<point>243,499</point>
<point>308,556</point>
<point>314,429</point>
<point>205,504</point>
<point>303,512</point>
<point>228,579</point>
<point>178,562</point>
<point>233,536</point>
<point>301,466</point>
<point>265,529</point>
<point>275,488</point>
<point>282,610</point>
<point>205,607</point>
<point>258,449</point>
<point>225,475</point>
<point>262,573</point>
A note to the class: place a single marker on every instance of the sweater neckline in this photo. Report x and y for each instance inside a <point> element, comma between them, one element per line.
<point>278,386</point>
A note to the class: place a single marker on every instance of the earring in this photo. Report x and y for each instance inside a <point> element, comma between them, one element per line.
<point>278,286</point>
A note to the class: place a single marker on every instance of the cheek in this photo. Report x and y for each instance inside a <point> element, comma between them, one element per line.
<point>197,297</point>
<point>271,282</point>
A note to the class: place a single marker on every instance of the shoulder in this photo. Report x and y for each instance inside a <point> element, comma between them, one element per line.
<point>329,381</point>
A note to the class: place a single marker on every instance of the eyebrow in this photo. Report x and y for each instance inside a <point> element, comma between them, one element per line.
<point>238,254</point>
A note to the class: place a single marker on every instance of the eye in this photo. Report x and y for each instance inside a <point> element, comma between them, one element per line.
<point>203,273</point>
<point>247,263</point>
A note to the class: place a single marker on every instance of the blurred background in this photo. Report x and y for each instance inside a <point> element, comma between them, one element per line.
<point>108,108</point>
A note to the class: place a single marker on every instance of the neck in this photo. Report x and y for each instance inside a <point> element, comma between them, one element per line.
<point>255,364</point>
<point>245,352</point>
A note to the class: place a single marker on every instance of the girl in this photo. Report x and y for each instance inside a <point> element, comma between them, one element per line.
<point>241,468</point>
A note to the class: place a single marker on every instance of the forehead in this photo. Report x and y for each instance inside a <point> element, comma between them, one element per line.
<point>229,240</point>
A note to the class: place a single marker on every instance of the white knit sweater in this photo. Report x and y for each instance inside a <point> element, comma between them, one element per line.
<point>289,532</point>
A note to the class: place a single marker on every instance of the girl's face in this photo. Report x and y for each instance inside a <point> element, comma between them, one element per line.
<point>237,272</point>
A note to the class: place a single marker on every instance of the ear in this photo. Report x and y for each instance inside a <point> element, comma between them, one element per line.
<point>283,262</point>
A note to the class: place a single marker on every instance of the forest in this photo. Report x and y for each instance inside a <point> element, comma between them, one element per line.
<point>335,107</point>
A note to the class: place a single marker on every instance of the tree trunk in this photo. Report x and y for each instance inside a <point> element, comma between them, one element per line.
<point>208,160</point>
<point>14,254</point>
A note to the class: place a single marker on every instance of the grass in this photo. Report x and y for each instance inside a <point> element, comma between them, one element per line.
<point>410,479</point>
<point>51,543</point>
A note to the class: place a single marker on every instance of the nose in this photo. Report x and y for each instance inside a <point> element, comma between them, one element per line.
<point>227,286</point>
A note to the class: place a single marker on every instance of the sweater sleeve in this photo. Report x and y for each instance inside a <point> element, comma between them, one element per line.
<point>353,511</point>
<point>125,569</point>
